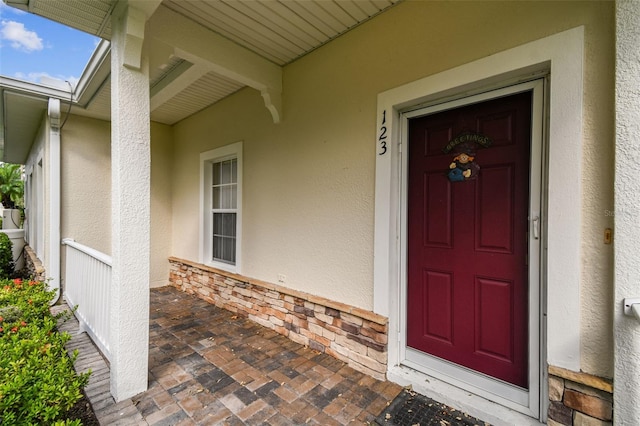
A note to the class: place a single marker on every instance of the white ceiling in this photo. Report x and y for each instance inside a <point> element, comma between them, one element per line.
<point>280,31</point>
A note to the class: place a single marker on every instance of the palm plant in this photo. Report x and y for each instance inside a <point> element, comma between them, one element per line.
<point>11,186</point>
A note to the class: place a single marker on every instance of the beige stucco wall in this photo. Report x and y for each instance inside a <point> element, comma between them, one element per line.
<point>161,235</point>
<point>627,267</point>
<point>85,182</point>
<point>86,190</point>
<point>309,181</point>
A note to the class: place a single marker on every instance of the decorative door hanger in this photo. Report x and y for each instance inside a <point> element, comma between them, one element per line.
<point>464,146</point>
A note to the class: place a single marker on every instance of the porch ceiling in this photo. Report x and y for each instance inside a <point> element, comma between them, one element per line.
<point>279,32</point>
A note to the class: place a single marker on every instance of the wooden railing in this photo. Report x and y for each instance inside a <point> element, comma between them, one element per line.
<point>87,286</point>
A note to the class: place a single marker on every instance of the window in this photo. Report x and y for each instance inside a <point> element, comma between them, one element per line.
<point>221,188</point>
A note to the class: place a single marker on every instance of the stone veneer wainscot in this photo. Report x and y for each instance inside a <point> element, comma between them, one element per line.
<point>33,265</point>
<point>353,335</point>
<point>579,399</point>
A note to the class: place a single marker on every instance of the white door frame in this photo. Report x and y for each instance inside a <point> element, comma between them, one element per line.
<point>514,397</point>
<point>561,56</point>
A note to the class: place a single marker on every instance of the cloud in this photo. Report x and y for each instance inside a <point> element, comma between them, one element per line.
<point>42,77</point>
<point>19,37</point>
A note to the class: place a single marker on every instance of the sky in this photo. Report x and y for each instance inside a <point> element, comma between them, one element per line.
<point>32,47</point>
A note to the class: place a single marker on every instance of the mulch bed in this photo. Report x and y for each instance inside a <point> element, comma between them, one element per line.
<point>412,409</point>
<point>83,411</point>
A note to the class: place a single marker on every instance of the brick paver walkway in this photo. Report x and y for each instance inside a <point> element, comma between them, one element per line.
<point>209,366</point>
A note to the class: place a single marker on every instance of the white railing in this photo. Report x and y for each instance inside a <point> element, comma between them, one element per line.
<point>88,287</point>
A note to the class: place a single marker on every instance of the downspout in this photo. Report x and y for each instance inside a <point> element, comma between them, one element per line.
<point>54,197</point>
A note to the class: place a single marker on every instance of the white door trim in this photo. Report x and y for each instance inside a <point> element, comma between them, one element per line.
<point>514,397</point>
<point>562,56</point>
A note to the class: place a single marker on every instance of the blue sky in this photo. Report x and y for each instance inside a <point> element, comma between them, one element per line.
<point>32,47</point>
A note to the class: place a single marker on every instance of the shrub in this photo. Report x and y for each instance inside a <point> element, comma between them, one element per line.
<point>38,384</point>
<point>6,256</point>
<point>11,186</point>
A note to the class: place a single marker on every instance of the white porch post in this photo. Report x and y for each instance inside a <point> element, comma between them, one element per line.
<point>627,213</point>
<point>54,196</point>
<point>130,203</point>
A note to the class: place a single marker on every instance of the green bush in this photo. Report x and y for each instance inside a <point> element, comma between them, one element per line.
<point>11,186</point>
<point>38,384</point>
<point>6,256</point>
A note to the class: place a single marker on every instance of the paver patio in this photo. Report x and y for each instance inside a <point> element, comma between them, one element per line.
<point>210,366</point>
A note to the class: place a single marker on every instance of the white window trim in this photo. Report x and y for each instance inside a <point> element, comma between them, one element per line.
<point>233,150</point>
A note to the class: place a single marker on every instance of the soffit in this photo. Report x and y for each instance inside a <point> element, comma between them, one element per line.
<point>25,113</point>
<point>90,16</point>
<point>204,92</point>
<point>278,31</point>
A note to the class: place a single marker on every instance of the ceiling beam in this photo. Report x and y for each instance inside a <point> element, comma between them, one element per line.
<point>177,85</point>
<point>204,48</point>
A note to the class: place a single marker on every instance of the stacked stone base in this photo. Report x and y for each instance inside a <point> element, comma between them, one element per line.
<point>353,335</point>
<point>33,265</point>
<point>579,399</point>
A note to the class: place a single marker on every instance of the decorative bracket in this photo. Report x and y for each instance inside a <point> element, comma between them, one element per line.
<point>54,113</point>
<point>217,54</point>
<point>273,102</point>
<point>134,22</point>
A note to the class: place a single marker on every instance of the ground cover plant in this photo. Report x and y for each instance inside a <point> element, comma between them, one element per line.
<point>38,384</point>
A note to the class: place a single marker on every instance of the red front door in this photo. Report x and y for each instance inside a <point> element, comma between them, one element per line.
<point>467,236</point>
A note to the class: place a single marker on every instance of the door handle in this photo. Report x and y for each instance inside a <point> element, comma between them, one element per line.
<point>536,227</point>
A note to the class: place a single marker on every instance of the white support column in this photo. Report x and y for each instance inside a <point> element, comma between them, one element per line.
<point>627,213</point>
<point>130,203</point>
<point>54,197</point>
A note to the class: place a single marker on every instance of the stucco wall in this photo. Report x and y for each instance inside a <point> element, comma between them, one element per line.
<point>309,181</point>
<point>86,189</point>
<point>161,235</point>
<point>85,182</point>
<point>627,213</point>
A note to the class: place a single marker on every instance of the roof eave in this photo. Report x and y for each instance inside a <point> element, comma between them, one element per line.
<point>29,101</point>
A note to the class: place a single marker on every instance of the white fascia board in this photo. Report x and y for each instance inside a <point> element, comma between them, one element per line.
<point>18,4</point>
<point>33,89</point>
<point>99,65</point>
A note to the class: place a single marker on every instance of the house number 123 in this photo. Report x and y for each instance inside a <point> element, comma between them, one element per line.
<point>382,139</point>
